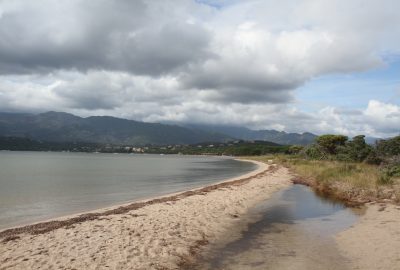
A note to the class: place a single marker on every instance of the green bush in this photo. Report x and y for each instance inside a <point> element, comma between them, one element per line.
<point>373,158</point>
<point>356,150</point>
<point>390,147</point>
<point>295,149</point>
<point>330,143</point>
<point>314,152</point>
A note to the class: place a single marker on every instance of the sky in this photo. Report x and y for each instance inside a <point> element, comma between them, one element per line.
<point>292,65</point>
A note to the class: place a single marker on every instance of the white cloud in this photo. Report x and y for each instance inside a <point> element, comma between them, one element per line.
<point>378,119</point>
<point>187,61</point>
<point>383,117</point>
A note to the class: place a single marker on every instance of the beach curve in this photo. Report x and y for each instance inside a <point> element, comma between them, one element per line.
<point>162,233</point>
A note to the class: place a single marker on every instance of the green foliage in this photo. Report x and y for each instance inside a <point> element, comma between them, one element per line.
<point>237,149</point>
<point>295,149</point>
<point>25,144</point>
<point>355,150</point>
<point>314,152</point>
<point>393,171</point>
<point>373,158</point>
<point>390,170</point>
<point>330,143</point>
<point>337,147</point>
<point>390,147</point>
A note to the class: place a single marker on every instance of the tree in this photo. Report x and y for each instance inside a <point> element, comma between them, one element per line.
<point>295,149</point>
<point>355,150</point>
<point>314,151</point>
<point>330,143</point>
<point>389,147</point>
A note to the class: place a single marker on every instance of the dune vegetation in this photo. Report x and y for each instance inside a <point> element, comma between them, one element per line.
<point>352,171</point>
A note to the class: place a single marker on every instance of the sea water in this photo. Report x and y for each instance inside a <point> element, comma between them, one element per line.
<point>36,186</point>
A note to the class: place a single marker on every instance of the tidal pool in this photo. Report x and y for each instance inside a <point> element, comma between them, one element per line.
<point>293,230</point>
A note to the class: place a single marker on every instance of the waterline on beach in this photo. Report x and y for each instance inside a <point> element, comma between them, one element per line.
<point>163,235</point>
<point>37,186</point>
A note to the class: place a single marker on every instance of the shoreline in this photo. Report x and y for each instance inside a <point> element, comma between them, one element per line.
<point>162,233</point>
<point>373,242</point>
<point>260,167</point>
<point>170,231</point>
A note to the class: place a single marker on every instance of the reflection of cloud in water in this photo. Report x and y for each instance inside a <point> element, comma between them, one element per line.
<point>294,229</point>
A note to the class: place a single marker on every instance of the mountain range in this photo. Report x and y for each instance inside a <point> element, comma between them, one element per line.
<point>279,137</point>
<point>65,127</point>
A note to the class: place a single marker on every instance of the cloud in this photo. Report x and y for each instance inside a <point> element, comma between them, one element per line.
<point>231,62</point>
<point>134,36</point>
<point>383,117</point>
<point>258,57</point>
<point>378,119</point>
<point>162,100</point>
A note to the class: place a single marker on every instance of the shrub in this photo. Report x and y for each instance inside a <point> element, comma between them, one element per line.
<point>314,152</point>
<point>373,158</point>
<point>356,150</point>
<point>329,143</point>
<point>295,149</point>
<point>390,147</point>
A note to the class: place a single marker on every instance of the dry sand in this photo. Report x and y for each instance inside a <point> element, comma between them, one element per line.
<point>163,233</point>
<point>374,242</point>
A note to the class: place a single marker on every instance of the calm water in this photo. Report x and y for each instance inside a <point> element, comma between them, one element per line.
<point>292,230</point>
<point>36,186</point>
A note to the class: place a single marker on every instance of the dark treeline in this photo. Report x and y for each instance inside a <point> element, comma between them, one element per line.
<point>234,148</point>
<point>26,144</point>
<point>237,148</point>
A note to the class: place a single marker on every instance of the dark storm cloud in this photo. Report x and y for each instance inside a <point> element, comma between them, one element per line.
<point>162,50</point>
<point>139,37</point>
<point>245,85</point>
<point>250,96</point>
<point>111,35</point>
<point>90,95</point>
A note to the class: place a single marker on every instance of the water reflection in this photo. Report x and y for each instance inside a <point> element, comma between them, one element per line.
<point>294,230</point>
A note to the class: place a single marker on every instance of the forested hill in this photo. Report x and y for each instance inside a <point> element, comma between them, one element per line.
<point>64,127</point>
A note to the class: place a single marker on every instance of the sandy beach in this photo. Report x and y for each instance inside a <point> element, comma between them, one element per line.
<point>374,241</point>
<point>162,233</point>
<point>169,232</point>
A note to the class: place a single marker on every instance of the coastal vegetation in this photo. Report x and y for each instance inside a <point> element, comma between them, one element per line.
<point>233,148</point>
<point>350,170</point>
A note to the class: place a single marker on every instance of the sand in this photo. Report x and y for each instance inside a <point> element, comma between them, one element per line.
<point>374,242</point>
<point>163,233</point>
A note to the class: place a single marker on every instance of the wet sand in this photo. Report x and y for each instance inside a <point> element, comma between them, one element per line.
<point>163,233</point>
<point>294,229</point>
<point>374,242</point>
